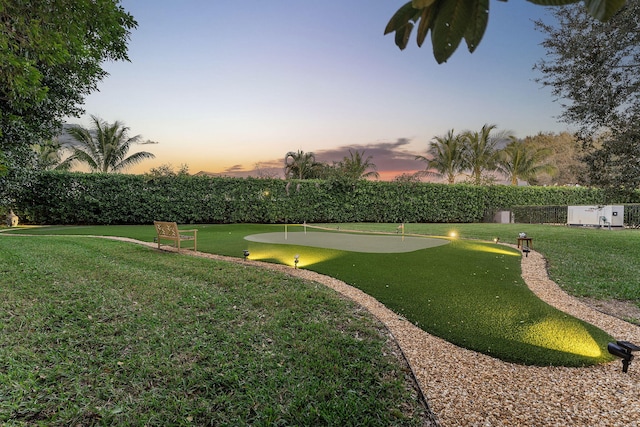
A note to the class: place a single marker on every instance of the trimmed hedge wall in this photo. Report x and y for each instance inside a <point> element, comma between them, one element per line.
<point>81,198</point>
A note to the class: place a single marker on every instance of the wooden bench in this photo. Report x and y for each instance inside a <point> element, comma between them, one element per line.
<point>525,241</point>
<point>169,231</point>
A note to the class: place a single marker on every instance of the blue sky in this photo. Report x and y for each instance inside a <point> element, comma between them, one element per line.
<point>225,85</point>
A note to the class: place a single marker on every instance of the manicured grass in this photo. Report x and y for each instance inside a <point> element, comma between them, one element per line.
<point>597,263</point>
<point>468,292</point>
<point>472,294</point>
<point>98,332</point>
<point>584,261</point>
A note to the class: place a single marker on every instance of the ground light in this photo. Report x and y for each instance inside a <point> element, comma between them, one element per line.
<point>245,253</point>
<point>296,260</point>
<point>453,234</point>
<point>624,350</point>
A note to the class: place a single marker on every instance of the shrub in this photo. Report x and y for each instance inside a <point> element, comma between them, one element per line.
<point>80,198</point>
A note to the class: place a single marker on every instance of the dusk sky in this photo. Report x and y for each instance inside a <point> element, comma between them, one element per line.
<point>225,85</point>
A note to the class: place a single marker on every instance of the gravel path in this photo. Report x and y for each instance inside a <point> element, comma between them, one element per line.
<point>465,388</point>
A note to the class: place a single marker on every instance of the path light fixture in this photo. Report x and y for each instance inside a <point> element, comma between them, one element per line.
<point>525,251</point>
<point>296,260</point>
<point>496,239</point>
<point>624,350</point>
<point>245,253</point>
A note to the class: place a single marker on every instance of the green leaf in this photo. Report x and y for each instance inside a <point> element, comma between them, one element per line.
<point>421,4</point>
<point>426,21</point>
<point>451,22</point>
<point>402,35</point>
<point>603,9</point>
<point>478,25</point>
<point>401,18</point>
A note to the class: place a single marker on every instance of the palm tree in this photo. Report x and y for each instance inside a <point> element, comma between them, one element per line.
<point>357,167</point>
<point>519,160</point>
<point>480,152</point>
<point>301,165</point>
<point>104,148</point>
<point>446,157</point>
<point>49,156</point>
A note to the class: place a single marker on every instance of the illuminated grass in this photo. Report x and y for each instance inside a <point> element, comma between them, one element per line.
<point>471,296</point>
<point>562,335</point>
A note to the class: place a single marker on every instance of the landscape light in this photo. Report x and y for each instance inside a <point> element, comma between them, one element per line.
<point>245,253</point>
<point>526,250</point>
<point>453,234</point>
<point>296,260</point>
<point>496,240</point>
<point>624,350</point>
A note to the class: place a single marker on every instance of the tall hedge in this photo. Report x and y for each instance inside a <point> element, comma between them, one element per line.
<point>80,198</point>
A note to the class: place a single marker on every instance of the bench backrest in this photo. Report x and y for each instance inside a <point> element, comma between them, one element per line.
<point>168,229</point>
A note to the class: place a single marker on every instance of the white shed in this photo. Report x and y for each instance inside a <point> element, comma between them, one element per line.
<point>596,216</point>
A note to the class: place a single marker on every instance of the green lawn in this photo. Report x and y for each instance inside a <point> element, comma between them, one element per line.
<point>597,263</point>
<point>99,332</point>
<point>469,292</point>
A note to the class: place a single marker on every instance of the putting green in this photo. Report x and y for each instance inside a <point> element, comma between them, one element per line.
<point>368,243</point>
